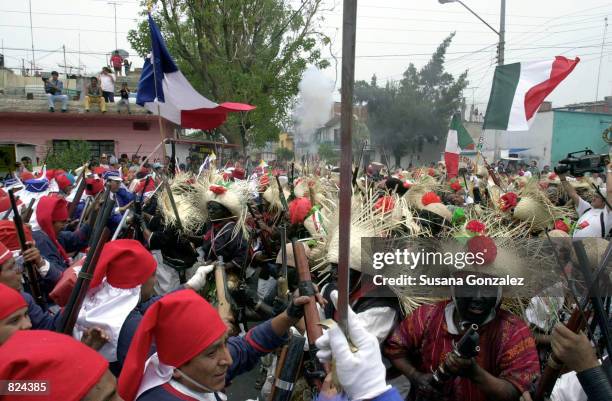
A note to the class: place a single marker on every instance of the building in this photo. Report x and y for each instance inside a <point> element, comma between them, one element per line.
<point>285,140</point>
<point>27,128</point>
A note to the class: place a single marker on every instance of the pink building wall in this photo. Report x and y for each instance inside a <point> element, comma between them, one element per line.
<point>41,128</point>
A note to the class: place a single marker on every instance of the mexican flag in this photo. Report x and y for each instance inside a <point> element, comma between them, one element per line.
<point>519,89</point>
<point>458,138</point>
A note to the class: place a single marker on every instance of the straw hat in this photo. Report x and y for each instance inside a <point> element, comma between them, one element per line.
<point>530,210</point>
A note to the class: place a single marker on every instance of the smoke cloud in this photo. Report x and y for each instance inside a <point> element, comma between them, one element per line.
<point>314,106</point>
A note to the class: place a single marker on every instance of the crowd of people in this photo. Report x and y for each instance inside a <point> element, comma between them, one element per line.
<point>99,91</point>
<point>154,325</point>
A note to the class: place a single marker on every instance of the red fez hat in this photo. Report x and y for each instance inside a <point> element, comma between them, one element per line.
<point>5,201</point>
<point>10,301</point>
<point>63,182</point>
<point>49,210</point>
<point>125,263</point>
<point>299,209</point>
<point>99,170</point>
<point>8,234</point>
<point>182,324</point>
<point>94,186</point>
<point>5,253</point>
<point>70,368</point>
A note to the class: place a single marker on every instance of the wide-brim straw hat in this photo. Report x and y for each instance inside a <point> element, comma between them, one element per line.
<point>534,212</point>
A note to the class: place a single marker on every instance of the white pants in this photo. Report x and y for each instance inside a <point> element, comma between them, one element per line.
<point>167,278</point>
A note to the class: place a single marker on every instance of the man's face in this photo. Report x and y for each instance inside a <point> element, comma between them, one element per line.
<point>209,367</point>
<point>10,274</point>
<point>68,189</point>
<point>598,202</point>
<point>474,304</point>
<point>217,211</point>
<point>18,320</point>
<point>104,390</point>
<point>147,288</point>
<point>26,162</point>
<point>59,226</point>
<point>54,77</point>
<point>114,186</point>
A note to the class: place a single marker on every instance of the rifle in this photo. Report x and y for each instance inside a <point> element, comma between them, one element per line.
<point>223,307</point>
<point>291,184</point>
<point>492,173</point>
<point>173,204</point>
<point>138,234</point>
<point>467,347</point>
<point>121,224</point>
<point>264,239</point>
<point>356,170</point>
<point>576,323</point>
<point>99,237</point>
<point>77,197</point>
<point>314,371</point>
<point>287,369</point>
<point>27,214</point>
<point>281,195</point>
<point>31,273</point>
<point>282,284</point>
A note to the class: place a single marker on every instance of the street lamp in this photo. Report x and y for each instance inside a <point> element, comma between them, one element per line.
<point>502,30</point>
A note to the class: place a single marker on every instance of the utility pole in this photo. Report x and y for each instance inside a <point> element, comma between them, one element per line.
<point>65,65</point>
<point>603,42</point>
<point>502,33</point>
<point>32,36</point>
<point>114,3</point>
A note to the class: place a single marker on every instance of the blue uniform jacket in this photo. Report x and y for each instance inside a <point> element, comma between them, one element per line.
<point>41,320</point>
<point>245,352</point>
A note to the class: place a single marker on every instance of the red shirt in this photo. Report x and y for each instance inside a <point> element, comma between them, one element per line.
<point>507,349</point>
<point>117,61</point>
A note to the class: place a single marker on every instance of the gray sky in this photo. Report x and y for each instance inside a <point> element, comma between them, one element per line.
<point>391,34</point>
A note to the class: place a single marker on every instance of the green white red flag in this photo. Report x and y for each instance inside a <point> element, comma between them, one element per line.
<point>458,138</point>
<point>520,88</point>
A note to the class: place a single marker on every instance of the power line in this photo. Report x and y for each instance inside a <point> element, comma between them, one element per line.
<point>68,14</point>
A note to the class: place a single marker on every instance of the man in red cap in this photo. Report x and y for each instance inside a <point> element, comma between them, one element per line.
<point>53,241</point>
<point>195,359</point>
<point>64,184</point>
<point>13,313</point>
<point>63,368</point>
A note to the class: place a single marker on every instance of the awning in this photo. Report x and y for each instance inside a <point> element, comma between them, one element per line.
<point>517,150</point>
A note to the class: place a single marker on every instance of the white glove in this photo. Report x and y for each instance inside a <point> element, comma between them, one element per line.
<point>361,374</point>
<point>198,280</point>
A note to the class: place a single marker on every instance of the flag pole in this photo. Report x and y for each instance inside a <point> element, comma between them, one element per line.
<point>153,63</point>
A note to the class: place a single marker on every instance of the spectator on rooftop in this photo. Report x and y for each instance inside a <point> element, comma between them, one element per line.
<point>107,82</point>
<point>125,98</point>
<point>53,89</point>
<point>117,61</point>
<point>126,66</point>
<point>94,95</point>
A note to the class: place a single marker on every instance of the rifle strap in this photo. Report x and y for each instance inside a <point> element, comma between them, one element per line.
<point>283,385</point>
<point>306,288</point>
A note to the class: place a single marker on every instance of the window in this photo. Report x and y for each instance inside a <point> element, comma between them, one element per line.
<point>96,148</point>
<point>336,136</point>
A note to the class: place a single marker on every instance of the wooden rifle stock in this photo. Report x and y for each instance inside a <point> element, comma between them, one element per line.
<point>77,197</point>
<point>315,370</point>
<point>282,284</point>
<point>264,239</point>
<point>31,273</point>
<point>100,235</point>
<point>27,213</point>
<point>553,368</point>
<point>492,173</point>
<point>223,307</point>
<point>287,370</point>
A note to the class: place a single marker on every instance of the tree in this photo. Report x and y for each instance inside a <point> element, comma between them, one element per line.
<point>70,158</point>
<point>328,153</point>
<point>284,154</point>
<point>251,51</point>
<point>405,115</point>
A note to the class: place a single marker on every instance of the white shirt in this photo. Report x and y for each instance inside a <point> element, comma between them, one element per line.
<point>589,223</point>
<point>107,82</point>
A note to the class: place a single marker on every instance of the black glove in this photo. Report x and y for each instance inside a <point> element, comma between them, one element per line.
<point>244,296</point>
<point>295,311</point>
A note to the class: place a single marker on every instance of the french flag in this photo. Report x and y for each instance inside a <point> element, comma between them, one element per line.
<point>176,98</point>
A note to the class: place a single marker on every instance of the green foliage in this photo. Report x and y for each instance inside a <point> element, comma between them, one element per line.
<point>284,155</point>
<point>404,115</point>
<point>71,158</point>
<point>328,153</point>
<point>249,51</point>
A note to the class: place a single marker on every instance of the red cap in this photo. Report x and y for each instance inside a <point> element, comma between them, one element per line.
<point>26,175</point>
<point>429,198</point>
<point>5,253</point>
<point>182,324</point>
<point>239,173</point>
<point>8,234</point>
<point>49,210</point>
<point>141,185</point>
<point>125,263</point>
<point>62,181</point>
<point>10,301</point>
<point>99,170</point>
<point>96,184</point>
<point>70,368</point>
<point>299,209</point>
<point>264,181</point>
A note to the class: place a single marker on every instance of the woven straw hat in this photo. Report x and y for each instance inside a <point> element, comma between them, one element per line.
<point>530,210</point>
